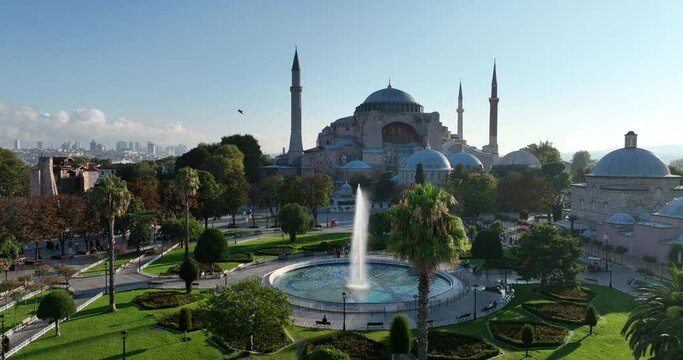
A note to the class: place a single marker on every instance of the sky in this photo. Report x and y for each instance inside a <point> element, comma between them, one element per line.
<point>577,73</point>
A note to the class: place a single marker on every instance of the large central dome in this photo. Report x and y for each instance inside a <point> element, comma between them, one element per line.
<point>630,161</point>
<point>390,100</point>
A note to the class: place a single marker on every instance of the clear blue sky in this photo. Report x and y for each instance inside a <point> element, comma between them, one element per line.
<point>577,73</point>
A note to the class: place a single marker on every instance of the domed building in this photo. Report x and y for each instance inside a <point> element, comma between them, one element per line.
<point>630,180</point>
<point>466,160</point>
<point>517,161</point>
<point>435,165</point>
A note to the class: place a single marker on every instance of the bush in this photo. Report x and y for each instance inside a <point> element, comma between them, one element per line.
<point>574,294</point>
<point>276,250</point>
<point>185,320</point>
<point>327,352</point>
<point>152,300</point>
<point>561,312</point>
<point>211,246</point>
<point>188,272</point>
<point>510,332</point>
<point>173,321</point>
<point>55,306</point>
<point>399,335</point>
<point>262,343</point>
<point>352,343</point>
<point>487,245</point>
<point>450,346</point>
<point>238,257</point>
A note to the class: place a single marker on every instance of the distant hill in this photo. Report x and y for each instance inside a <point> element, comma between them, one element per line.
<point>665,152</point>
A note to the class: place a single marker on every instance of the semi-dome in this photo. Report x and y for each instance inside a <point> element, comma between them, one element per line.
<point>630,161</point>
<point>430,159</point>
<point>357,165</point>
<point>390,100</point>
<point>519,158</point>
<point>673,208</point>
<point>467,160</point>
<point>621,219</point>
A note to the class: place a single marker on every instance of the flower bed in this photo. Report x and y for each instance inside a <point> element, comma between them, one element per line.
<point>276,250</point>
<point>261,343</point>
<point>173,321</point>
<point>450,346</point>
<point>561,312</point>
<point>574,294</point>
<point>239,258</point>
<point>510,332</point>
<point>165,299</point>
<point>354,344</point>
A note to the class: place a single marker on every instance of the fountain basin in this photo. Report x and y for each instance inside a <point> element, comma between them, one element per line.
<point>319,285</point>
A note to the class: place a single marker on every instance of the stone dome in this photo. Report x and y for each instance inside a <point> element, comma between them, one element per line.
<point>621,219</point>
<point>630,161</point>
<point>519,158</point>
<point>346,186</point>
<point>673,208</point>
<point>430,159</point>
<point>465,159</point>
<point>390,100</point>
<point>356,165</point>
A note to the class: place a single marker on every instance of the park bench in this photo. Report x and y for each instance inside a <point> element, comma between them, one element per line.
<point>464,316</point>
<point>323,323</point>
<point>26,321</point>
<point>375,325</point>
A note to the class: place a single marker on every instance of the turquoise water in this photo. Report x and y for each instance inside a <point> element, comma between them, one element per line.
<point>326,282</point>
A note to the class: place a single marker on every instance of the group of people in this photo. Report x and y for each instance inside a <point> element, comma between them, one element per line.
<point>74,247</point>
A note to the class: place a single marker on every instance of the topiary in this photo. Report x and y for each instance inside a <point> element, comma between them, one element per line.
<point>327,352</point>
<point>591,318</point>
<point>188,272</point>
<point>55,306</point>
<point>211,246</point>
<point>185,321</point>
<point>527,337</point>
<point>399,335</point>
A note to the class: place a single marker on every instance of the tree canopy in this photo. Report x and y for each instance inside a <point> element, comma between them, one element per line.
<point>14,179</point>
<point>211,247</point>
<point>251,149</point>
<point>293,219</point>
<point>544,151</point>
<point>56,305</point>
<point>487,245</point>
<point>475,192</point>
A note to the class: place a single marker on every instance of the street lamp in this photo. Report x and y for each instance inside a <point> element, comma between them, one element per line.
<point>606,238</point>
<point>2,317</point>
<point>124,334</point>
<point>106,278</point>
<point>475,301</point>
<point>344,311</point>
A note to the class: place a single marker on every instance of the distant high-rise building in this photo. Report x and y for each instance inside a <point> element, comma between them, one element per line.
<point>121,145</point>
<point>93,146</point>
<point>130,146</point>
<point>151,148</point>
<point>138,148</point>
<point>17,144</point>
<point>39,145</point>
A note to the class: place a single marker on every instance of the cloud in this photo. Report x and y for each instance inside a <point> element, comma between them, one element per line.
<point>31,125</point>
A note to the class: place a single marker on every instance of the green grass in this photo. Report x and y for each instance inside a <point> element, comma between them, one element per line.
<point>95,333</point>
<point>118,262</point>
<point>24,310</point>
<point>176,256</point>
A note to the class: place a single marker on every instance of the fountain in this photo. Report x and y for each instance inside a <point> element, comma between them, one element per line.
<point>359,241</point>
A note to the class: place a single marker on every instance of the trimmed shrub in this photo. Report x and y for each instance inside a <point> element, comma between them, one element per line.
<point>449,346</point>
<point>573,294</point>
<point>352,343</point>
<point>327,352</point>
<point>211,246</point>
<point>275,250</point>
<point>399,335</point>
<point>185,321</point>
<point>152,300</point>
<point>560,312</point>
<point>173,321</point>
<point>54,306</point>
<point>188,272</point>
<point>527,337</point>
<point>510,332</point>
<point>265,344</point>
<point>238,257</point>
<point>591,318</point>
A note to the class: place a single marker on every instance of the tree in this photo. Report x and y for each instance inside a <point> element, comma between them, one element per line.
<point>247,311</point>
<point>187,181</point>
<point>363,180</point>
<point>292,191</point>
<point>211,246</point>
<point>384,186</point>
<point>112,198</point>
<point>173,229</point>
<point>379,223</point>
<point>327,352</point>
<point>487,245</point>
<point>9,249</point>
<point>210,192</point>
<point>14,179</point>
<point>317,192</point>
<point>70,212</point>
<point>559,254</point>
<point>251,149</point>
<point>269,189</point>
<point>147,189</point>
<point>193,158</point>
<point>527,337</point>
<point>55,306</point>
<point>426,235</point>
<point>621,250</point>
<point>399,335</point>
<point>591,318</point>
<point>293,219</point>
<point>654,328</point>
<point>581,164</point>
<point>544,151</point>
<point>188,272</point>
<point>185,321</point>
<point>476,193</point>
<point>419,174</point>
<point>526,191</point>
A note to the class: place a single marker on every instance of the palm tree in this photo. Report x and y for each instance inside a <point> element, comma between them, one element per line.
<point>187,182</point>
<point>655,324</point>
<point>112,198</point>
<point>425,234</point>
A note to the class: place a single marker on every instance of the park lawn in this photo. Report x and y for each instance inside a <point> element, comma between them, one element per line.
<point>177,255</point>
<point>95,333</point>
<point>23,311</point>
<point>120,260</point>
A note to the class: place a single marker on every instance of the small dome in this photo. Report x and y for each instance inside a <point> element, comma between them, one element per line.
<point>465,159</point>
<point>357,165</point>
<point>621,219</point>
<point>390,95</point>
<point>631,162</point>
<point>431,160</point>
<point>519,158</point>
<point>673,208</point>
<point>346,186</point>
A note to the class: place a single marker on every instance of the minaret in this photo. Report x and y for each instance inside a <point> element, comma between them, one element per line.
<point>493,114</point>
<point>296,149</point>
<point>460,111</point>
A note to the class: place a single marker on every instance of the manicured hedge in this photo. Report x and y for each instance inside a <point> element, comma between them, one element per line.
<point>239,258</point>
<point>172,321</point>
<point>354,344</point>
<point>510,332</point>
<point>574,294</point>
<point>322,246</point>
<point>561,312</point>
<point>275,250</point>
<point>450,346</point>
<point>165,299</point>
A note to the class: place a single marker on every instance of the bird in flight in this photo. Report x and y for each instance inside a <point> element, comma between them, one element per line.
<point>240,111</point>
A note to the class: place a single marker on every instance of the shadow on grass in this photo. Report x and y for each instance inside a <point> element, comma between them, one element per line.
<point>128,353</point>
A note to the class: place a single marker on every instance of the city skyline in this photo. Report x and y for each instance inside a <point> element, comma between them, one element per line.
<point>181,76</point>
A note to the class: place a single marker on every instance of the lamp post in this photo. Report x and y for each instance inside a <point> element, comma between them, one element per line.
<point>606,238</point>
<point>475,301</point>
<point>124,334</point>
<point>2,317</point>
<point>106,278</point>
<point>344,311</point>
